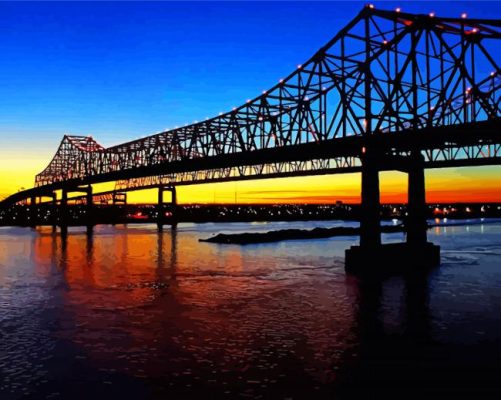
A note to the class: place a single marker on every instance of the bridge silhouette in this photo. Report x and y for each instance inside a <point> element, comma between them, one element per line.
<point>391,91</point>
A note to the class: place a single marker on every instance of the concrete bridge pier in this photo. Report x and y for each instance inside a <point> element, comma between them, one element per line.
<point>118,198</point>
<point>54,211</point>
<point>161,213</point>
<point>89,212</point>
<point>63,212</point>
<point>33,212</point>
<point>416,204</point>
<point>373,257</point>
<point>370,231</point>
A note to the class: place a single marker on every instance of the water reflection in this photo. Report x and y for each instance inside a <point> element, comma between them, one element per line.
<point>130,311</point>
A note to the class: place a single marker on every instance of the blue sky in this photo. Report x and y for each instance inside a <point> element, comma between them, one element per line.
<point>123,70</point>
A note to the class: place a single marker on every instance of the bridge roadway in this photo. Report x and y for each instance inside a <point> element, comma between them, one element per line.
<point>389,145</point>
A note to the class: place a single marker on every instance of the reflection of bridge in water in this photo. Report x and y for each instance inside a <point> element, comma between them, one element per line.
<point>391,91</point>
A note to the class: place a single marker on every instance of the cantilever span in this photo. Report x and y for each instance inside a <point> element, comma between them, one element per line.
<point>385,72</point>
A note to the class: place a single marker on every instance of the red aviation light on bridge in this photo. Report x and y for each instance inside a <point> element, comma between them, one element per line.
<point>264,92</point>
<point>364,150</point>
<point>493,73</point>
<point>464,15</point>
<point>370,5</point>
<point>398,9</point>
<point>385,41</point>
<point>432,14</point>
<point>299,66</point>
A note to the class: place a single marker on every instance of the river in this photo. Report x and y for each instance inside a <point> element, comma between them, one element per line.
<point>133,313</point>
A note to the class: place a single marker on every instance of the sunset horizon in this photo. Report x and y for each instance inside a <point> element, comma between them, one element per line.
<point>91,108</point>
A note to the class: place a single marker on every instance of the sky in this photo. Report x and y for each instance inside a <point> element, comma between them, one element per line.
<point>123,70</point>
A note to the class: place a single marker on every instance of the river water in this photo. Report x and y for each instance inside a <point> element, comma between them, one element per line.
<point>133,313</point>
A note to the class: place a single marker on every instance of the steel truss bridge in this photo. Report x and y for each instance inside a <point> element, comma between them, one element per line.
<point>391,91</point>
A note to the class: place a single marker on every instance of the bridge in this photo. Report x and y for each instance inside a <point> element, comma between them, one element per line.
<point>390,91</point>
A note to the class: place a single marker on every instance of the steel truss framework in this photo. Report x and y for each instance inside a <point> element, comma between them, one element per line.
<point>383,74</point>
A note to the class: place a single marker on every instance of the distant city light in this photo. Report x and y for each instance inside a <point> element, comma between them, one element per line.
<point>432,14</point>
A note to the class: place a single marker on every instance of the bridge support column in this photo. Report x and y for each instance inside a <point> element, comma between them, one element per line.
<point>160,206</point>
<point>373,257</point>
<point>174,206</point>
<point>370,231</point>
<point>33,212</point>
<point>63,212</point>
<point>54,211</point>
<point>119,198</point>
<point>416,209</point>
<point>89,213</point>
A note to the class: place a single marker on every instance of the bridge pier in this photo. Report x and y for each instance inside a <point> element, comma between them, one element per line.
<point>89,212</point>
<point>370,231</point>
<point>54,212</point>
<point>63,212</point>
<point>416,204</point>
<point>161,209</point>
<point>33,212</point>
<point>89,208</point>
<point>371,256</point>
<point>119,198</point>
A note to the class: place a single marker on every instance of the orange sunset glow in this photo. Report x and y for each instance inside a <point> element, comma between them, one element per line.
<point>472,184</point>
